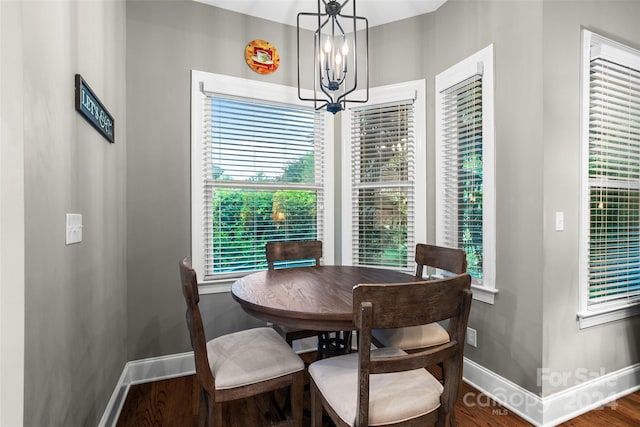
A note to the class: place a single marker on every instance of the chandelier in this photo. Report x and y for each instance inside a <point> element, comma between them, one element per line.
<point>337,53</point>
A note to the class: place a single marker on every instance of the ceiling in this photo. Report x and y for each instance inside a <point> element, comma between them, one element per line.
<point>378,12</point>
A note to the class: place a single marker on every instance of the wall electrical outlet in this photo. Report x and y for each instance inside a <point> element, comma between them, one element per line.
<point>472,337</point>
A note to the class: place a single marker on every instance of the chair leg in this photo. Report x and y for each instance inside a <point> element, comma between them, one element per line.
<point>202,416</point>
<point>214,411</point>
<point>216,415</point>
<point>297,391</point>
<point>208,413</point>
<point>196,398</point>
<point>316,406</point>
<point>442,420</point>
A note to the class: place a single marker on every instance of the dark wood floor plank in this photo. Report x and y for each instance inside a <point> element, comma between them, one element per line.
<point>623,412</point>
<point>170,403</point>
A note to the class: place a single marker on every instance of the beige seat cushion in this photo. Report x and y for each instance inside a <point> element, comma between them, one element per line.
<point>413,337</point>
<point>393,397</point>
<point>250,356</point>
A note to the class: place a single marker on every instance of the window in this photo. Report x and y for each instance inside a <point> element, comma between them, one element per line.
<point>465,184</point>
<point>610,204</point>
<point>384,175</point>
<point>259,174</point>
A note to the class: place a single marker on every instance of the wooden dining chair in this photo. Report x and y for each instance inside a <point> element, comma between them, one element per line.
<point>240,364</point>
<point>416,337</point>
<point>293,251</point>
<point>387,386</point>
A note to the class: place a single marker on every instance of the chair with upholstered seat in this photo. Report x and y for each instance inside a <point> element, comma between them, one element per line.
<point>293,251</point>
<point>388,386</point>
<point>453,261</point>
<point>239,364</point>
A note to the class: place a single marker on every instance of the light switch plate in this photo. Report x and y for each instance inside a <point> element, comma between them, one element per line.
<point>559,221</point>
<point>74,228</point>
<point>472,337</point>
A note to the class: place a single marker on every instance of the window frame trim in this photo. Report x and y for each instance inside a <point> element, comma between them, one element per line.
<point>245,88</point>
<point>457,73</point>
<point>604,312</point>
<point>414,89</point>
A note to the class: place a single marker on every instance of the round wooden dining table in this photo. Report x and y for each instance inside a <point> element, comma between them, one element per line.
<point>317,298</point>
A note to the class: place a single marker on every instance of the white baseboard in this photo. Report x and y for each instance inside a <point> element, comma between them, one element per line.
<point>601,391</point>
<point>305,345</point>
<point>556,408</point>
<point>160,368</point>
<point>511,396</point>
<point>143,371</point>
<point>542,412</point>
<point>114,406</point>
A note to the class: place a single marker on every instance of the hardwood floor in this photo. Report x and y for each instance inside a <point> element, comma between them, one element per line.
<point>170,403</point>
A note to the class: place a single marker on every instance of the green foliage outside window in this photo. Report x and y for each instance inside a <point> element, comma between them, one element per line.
<point>470,210</point>
<point>383,186</point>
<point>244,220</point>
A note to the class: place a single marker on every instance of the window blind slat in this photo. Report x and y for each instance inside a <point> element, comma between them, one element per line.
<point>383,159</point>
<point>462,165</point>
<point>614,181</point>
<point>263,178</point>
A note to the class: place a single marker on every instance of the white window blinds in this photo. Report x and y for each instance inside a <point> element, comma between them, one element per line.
<point>383,184</point>
<point>461,165</point>
<point>613,260</point>
<point>263,180</point>
<point>465,167</point>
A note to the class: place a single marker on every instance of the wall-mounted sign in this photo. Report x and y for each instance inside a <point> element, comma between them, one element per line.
<point>262,57</point>
<point>90,107</point>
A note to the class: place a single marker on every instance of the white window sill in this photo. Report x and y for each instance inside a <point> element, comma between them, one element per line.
<point>588,319</point>
<point>216,286</point>
<point>209,288</point>
<point>483,293</point>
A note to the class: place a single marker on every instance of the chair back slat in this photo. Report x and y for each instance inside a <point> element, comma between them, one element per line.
<point>440,257</point>
<point>194,324</point>
<point>293,250</point>
<point>401,305</point>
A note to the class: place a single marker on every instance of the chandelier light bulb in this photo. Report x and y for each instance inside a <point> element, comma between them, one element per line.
<point>345,48</point>
<point>327,46</point>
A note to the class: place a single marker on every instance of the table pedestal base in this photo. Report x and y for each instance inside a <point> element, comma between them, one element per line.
<point>333,343</point>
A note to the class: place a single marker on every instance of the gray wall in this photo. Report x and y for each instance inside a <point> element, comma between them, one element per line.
<point>532,323</point>
<point>75,339</point>
<point>510,331</point>
<point>614,345</point>
<point>12,267</point>
<point>165,41</point>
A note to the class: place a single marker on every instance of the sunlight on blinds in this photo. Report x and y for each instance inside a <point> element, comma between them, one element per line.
<point>614,183</point>
<point>263,182</point>
<point>463,165</point>
<point>383,161</point>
